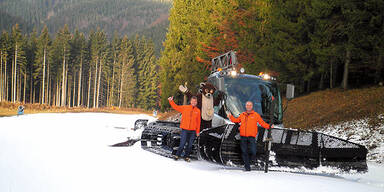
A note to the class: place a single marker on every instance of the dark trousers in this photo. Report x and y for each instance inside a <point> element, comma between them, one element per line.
<point>205,124</point>
<point>244,143</point>
<point>186,136</point>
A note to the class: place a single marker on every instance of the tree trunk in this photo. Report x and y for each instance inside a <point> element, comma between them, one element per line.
<point>25,84</point>
<point>113,84</point>
<point>321,83</point>
<point>14,76</point>
<point>58,103</point>
<point>63,83</point>
<point>79,86</point>
<point>89,87</point>
<point>73,89</point>
<point>31,87</point>
<point>33,95</point>
<point>379,68</point>
<point>43,89</point>
<point>98,87</point>
<point>108,88</point>
<point>19,86</point>
<point>6,80</point>
<point>12,79</point>
<point>331,75</point>
<point>344,83</point>
<point>95,85</point>
<point>49,91</point>
<point>68,94</point>
<point>67,89</point>
<point>121,86</point>
<point>1,76</point>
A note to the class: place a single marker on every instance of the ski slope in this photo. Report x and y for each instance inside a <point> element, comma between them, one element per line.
<point>71,152</point>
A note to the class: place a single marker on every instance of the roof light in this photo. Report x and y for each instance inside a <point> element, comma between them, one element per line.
<point>266,76</point>
<point>233,73</point>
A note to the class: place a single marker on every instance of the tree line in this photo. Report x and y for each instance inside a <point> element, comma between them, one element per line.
<point>314,44</point>
<point>72,69</point>
<point>124,16</point>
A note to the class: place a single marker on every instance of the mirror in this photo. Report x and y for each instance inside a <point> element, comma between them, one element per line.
<point>290,91</point>
<point>220,84</point>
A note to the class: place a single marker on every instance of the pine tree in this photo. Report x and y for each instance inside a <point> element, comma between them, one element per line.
<point>141,67</point>
<point>190,27</point>
<point>31,49</point>
<point>41,62</point>
<point>115,48</point>
<point>4,49</point>
<point>98,55</point>
<point>152,90</point>
<point>127,78</point>
<point>353,31</point>
<point>61,52</point>
<point>77,58</point>
<point>18,61</point>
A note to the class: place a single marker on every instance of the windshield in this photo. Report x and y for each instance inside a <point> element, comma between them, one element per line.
<point>240,90</point>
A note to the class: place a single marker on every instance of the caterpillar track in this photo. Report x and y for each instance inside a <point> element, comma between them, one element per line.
<point>291,149</point>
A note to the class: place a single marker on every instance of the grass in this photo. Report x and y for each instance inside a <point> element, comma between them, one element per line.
<point>334,106</point>
<point>10,109</point>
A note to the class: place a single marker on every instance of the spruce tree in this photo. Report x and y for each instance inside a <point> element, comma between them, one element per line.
<point>127,79</point>
<point>41,63</point>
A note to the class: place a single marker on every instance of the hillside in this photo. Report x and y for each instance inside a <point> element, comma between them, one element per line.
<point>124,16</point>
<point>335,106</point>
<point>356,115</point>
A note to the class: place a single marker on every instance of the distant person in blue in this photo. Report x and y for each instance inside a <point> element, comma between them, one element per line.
<point>155,113</point>
<point>20,110</point>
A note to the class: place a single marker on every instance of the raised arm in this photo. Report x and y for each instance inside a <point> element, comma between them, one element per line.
<point>174,106</point>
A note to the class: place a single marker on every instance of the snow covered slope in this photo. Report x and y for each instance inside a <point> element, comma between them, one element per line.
<point>361,132</point>
<point>71,152</point>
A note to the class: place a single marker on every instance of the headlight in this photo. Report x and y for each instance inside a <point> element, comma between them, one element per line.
<point>233,73</point>
<point>267,77</point>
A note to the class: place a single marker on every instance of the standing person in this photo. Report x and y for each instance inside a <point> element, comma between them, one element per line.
<point>248,132</point>
<point>190,126</point>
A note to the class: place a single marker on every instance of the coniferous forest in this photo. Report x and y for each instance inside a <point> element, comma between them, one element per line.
<point>126,17</point>
<point>313,44</point>
<point>73,70</point>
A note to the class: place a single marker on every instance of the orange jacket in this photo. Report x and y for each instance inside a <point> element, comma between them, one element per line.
<point>248,127</point>
<point>190,116</point>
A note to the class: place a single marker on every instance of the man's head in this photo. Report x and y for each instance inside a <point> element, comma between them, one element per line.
<point>194,101</point>
<point>249,106</point>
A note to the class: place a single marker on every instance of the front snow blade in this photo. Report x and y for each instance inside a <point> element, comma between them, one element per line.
<point>163,138</point>
<point>291,149</point>
<point>140,124</point>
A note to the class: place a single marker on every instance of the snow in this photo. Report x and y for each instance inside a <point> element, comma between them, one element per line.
<point>361,132</point>
<point>71,152</point>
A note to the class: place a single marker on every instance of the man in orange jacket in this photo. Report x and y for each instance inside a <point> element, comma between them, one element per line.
<point>190,126</point>
<point>248,132</point>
